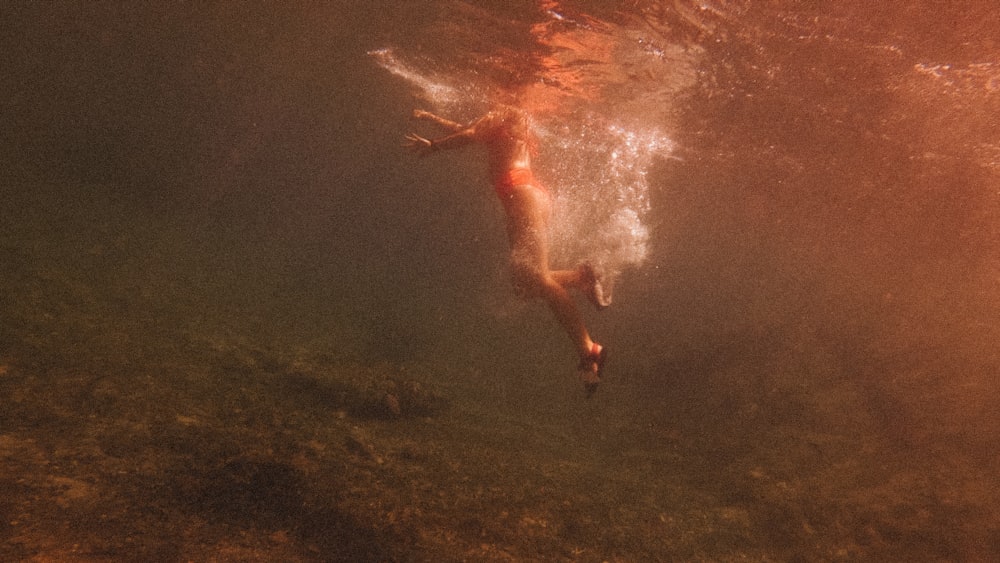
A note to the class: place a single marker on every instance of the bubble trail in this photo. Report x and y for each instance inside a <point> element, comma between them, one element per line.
<point>599,126</point>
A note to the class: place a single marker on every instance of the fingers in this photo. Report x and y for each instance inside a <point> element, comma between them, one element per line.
<point>414,140</point>
<point>418,143</point>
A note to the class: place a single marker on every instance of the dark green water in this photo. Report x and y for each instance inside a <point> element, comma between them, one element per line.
<point>217,262</point>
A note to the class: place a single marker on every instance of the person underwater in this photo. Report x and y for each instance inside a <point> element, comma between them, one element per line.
<point>506,133</point>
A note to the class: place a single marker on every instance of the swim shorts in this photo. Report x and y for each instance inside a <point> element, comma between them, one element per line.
<point>514,177</point>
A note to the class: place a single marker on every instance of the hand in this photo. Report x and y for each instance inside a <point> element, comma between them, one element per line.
<point>418,144</point>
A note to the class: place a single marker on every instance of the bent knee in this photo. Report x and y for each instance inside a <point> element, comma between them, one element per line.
<point>528,281</point>
<point>531,282</point>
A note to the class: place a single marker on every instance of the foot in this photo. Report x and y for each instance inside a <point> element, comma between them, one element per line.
<point>593,288</point>
<point>591,368</point>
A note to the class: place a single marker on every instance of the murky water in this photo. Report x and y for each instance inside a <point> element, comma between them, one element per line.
<point>217,261</point>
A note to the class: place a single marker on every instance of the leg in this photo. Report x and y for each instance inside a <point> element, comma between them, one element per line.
<point>570,278</point>
<point>528,211</point>
<point>587,282</point>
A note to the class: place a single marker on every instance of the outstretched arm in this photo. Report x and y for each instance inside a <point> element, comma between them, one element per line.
<point>462,135</point>
<point>446,123</point>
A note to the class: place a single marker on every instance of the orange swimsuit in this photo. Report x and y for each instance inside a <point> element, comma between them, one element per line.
<point>509,179</point>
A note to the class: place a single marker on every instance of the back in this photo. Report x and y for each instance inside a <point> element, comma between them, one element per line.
<point>507,133</point>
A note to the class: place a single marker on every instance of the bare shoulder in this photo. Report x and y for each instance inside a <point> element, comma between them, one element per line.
<point>485,126</point>
<point>491,120</point>
<point>508,120</point>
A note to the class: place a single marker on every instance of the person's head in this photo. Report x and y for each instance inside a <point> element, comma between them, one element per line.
<point>515,81</point>
<point>534,96</point>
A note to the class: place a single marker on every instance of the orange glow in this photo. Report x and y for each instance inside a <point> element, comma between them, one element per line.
<point>571,61</point>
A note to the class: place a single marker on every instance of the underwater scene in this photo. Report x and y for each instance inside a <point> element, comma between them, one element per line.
<point>260,300</point>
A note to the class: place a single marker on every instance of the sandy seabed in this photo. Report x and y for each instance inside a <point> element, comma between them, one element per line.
<point>137,428</point>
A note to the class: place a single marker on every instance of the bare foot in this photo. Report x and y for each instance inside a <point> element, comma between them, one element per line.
<point>591,368</point>
<point>597,294</point>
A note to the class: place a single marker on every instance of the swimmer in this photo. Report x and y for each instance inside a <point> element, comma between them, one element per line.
<point>506,133</point>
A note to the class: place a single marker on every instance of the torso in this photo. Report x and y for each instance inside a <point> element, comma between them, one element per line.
<point>507,134</point>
